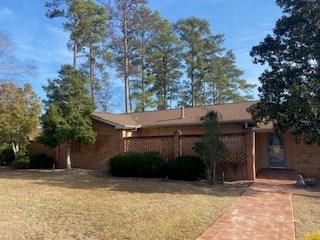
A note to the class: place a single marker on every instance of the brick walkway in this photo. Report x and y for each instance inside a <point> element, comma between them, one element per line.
<point>263,212</point>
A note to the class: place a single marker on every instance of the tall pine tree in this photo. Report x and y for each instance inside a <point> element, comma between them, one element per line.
<point>146,24</point>
<point>123,18</point>
<point>62,8</point>
<point>193,33</point>
<point>93,24</point>
<point>164,64</point>
<point>224,81</point>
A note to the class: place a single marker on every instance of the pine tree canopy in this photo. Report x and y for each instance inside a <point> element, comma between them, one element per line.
<point>68,109</point>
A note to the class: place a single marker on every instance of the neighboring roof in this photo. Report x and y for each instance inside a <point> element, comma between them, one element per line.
<point>233,112</point>
<point>34,134</point>
<point>262,127</point>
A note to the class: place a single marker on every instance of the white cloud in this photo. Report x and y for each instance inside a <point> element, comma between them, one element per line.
<point>57,31</point>
<point>5,13</point>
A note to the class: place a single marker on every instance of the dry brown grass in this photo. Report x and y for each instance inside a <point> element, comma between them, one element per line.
<point>78,205</point>
<point>307,215</point>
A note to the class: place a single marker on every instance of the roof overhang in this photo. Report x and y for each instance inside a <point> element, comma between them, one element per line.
<point>195,124</point>
<point>116,125</point>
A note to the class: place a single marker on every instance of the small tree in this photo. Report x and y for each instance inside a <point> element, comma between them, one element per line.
<point>68,109</point>
<point>19,115</point>
<point>211,147</point>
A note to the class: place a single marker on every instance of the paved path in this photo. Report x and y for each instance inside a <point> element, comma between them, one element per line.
<point>263,212</point>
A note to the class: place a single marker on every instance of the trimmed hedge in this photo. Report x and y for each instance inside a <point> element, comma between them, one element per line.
<point>188,168</point>
<point>21,163</point>
<point>149,164</point>
<point>41,161</point>
<point>6,156</point>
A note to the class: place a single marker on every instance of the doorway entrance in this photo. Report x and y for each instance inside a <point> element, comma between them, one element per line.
<point>276,152</point>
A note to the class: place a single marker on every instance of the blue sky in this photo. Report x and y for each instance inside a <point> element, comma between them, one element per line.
<point>243,22</point>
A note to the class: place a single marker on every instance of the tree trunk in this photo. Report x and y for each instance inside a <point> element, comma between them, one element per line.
<point>193,98</point>
<point>68,160</point>
<point>91,72</point>
<point>126,64</point>
<point>213,94</point>
<point>165,90</point>
<point>165,97</point>
<point>171,96</point>
<point>130,100</point>
<point>214,172</point>
<point>15,149</point>
<point>75,50</point>
<point>142,75</point>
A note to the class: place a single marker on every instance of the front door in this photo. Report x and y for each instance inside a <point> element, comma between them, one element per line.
<point>276,152</point>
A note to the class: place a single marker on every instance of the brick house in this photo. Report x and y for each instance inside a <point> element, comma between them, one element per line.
<point>174,132</point>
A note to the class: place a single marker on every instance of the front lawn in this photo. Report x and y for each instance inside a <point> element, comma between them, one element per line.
<point>79,205</point>
<point>307,215</point>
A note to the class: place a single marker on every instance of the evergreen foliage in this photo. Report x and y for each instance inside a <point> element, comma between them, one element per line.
<point>290,86</point>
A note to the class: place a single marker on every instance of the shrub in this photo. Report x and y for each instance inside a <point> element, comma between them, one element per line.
<point>150,164</point>
<point>21,163</point>
<point>6,156</point>
<point>188,168</point>
<point>41,161</point>
<point>122,165</point>
<point>312,236</point>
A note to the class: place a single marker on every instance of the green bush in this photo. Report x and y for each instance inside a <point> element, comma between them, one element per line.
<point>123,164</point>
<point>6,156</point>
<point>21,163</point>
<point>41,161</point>
<point>188,168</point>
<point>150,164</point>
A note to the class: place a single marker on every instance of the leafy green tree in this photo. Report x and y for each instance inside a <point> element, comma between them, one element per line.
<point>290,85</point>
<point>67,111</point>
<point>211,147</point>
<point>193,33</point>
<point>19,115</point>
<point>164,64</point>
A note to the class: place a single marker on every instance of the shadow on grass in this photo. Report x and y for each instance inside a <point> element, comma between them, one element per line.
<point>86,179</point>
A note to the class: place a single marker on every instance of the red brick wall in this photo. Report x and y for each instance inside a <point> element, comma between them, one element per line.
<point>162,144</point>
<point>37,148</point>
<point>110,142</point>
<point>237,160</point>
<point>304,158</point>
<point>88,156</point>
<point>94,156</point>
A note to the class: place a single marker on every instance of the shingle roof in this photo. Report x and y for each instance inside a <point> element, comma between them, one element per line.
<point>234,112</point>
